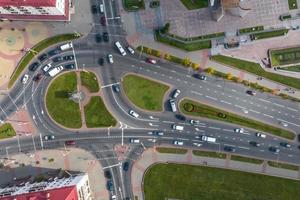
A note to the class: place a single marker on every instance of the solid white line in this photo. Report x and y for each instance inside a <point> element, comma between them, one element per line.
<point>197,93</point>
<point>104,86</point>
<point>229,145</point>
<point>216,128</point>
<point>211,97</point>
<point>254,111</point>
<point>239,106</point>
<point>233,90</point>
<point>288,122</point>
<point>226,102</point>
<point>227,130</point>
<point>292,109</point>
<point>264,100</point>
<point>219,86</point>
<point>247,148</point>
<point>268,115</point>
<point>168,122</point>
<point>278,105</point>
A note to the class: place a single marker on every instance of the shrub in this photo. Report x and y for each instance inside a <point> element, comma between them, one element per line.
<point>188,107</point>
<point>210,70</point>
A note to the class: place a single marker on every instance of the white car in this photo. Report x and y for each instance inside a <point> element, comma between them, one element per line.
<point>179,143</point>
<point>284,124</point>
<point>49,137</point>
<point>113,197</point>
<point>239,130</point>
<point>194,121</point>
<point>47,67</point>
<point>134,141</point>
<point>197,144</point>
<point>176,94</point>
<point>110,58</point>
<point>260,135</point>
<point>25,79</point>
<point>177,127</point>
<point>133,114</point>
<point>130,50</point>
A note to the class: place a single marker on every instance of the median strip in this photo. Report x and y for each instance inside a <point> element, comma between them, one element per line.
<point>283,165</point>
<point>171,150</point>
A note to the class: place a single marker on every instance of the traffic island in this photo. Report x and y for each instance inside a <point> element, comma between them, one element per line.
<point>144,93</point>
<point>7,131</point>
<point>60,106</point>
<point>89,80</point>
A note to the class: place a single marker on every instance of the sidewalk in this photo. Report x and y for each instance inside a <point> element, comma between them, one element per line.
<point>151,156</point>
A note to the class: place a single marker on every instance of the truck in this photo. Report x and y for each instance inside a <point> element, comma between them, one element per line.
<point>66,46</point>
<point>55,71</point>
<point>208,139</point>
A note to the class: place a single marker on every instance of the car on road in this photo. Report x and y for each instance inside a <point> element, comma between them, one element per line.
<point>285,144</point>
<point>103,21</point>
<point>255,144</point>
<point>49,137</point>
<point>69,57</point>
<point>70,142</point>
<point>43,57</point>
<point>54,52</point>
<point>57,59</point>
<point>47,67</point>
<point>176,93</point>
<point>25,78</point>
<point>178,143</point>
<point>110,185</point>
<point>197,144</point>
<point>229,149</point>
<point>134,140</point>
<point>260,135</point>
<point>251,92</point>
<point>133,113</point>
<point>116,88</point>
<point>98,37</point>
<point>284,124</point>
<point>192,121</point>
<point>101,7</point>
<point>101,61</point>
<point>110,58</point>
<point>177,127</point>
<point>199,76</point>
<point>158,133</point>
<point>94,9</point>
<point>274,149</point>
<point>114,197</point>
<point>69,66</point>
<point>239,130</point>
<point>130,50</point>
<point>173,105</point>
<point>33,66</point>
<point>105,37</point>
<point>37,77</point>
<point>180,117</point>
<point>126,166</point>
<point>151,61</point>
<point>107,174</point>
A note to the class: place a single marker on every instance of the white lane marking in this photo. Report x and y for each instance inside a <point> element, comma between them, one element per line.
<point>254,111</point>
<point>219,86</point>
<point>292,109</point>
<point>157,66</point>
<point>153,124</point>
<point>233,90</point>
<point>169,122</point>
<point>229,145</point>
<point>240,107</point>
<point>264,100</point>
<point>288,122</point>
<point>173,71</point>
<point>188,76</point>
<point>227,130</point>
<point>182,139</point>
<point>200,125</point>
<point>226,102</point>
<point>290,155</point>
<point>247,148</point>
<point>211,97</point>
<point>268,116</point>
<point>278,105</point>
<point>262,150</point>
<point>216,128</point>
<point>104,86</point>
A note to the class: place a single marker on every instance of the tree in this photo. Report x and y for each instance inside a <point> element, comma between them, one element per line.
<point>210,70</point>
<point>167,56</point>
<point>166,28</point>
<point>195,66</point>
<point>229,76</point>
<point>186,62</point>
<point>149,51</point>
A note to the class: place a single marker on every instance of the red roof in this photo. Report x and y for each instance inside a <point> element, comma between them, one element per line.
<point>34,3</point>
<point>65,193</point>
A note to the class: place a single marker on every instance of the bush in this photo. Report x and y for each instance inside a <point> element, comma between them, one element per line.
<point>188,107</point>
<point>154,4</point>
<point>165,29</point>
<point>222,115</point>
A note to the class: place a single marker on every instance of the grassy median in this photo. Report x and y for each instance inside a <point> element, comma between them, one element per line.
<point>144,93</point>
<point>246,159</point>
<point>27,58</point>
<point>89,80</point>
<point>211,154</point>
<point>133,5</point>
<point>63,110</point>
<point>96,114</point>
<point>178,181</point>
<point>194,108</point>
<point>7,131</point>
<point>256,69</point>
<point>171,150</point>
<point>192,4</point>
<point>283,165</point>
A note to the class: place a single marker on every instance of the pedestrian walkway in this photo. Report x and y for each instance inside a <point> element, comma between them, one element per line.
<point>151,156</point>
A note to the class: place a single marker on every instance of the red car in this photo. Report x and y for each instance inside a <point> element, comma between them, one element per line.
<point>70,142</point>
<point>103,21</point>
<point>152,61</point>
<point>38,77</point>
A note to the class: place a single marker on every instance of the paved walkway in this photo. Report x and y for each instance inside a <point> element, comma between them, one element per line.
<point>152,156</point>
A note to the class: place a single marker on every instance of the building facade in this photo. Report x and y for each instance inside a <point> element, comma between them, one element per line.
<point>37,10</point>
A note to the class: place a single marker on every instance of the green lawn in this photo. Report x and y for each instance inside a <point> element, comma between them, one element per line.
<point>191,46</point>
<point>144,93</point>
<point>251,29</point>
<point>7,131</point>
<point>89,80</point>
<point>63,110</point>
<point>178,181</point>
<point>285,56</point>
<point>209,154</point>
<point>38,48</point>
<point>96,114</point>
<point>256,69</point>
<point>194,4</point>
<point>194,108</point>
<point>292,4</point>
<point>283,165</point>
<point>171,150</point>
<point>246,159</point>
<point>270,34</point>
<point>292,68</point>
<point>133,5</point>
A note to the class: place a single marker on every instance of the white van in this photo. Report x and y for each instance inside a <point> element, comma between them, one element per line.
<point>208,139</point>
<point>177,127</point>
<point>173,105</point>
<point>101,8</point>
<point>47,67</point>
<point>55,71</point>
<point>120,48</point>
<point>66,46</point>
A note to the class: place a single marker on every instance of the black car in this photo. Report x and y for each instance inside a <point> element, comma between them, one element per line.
<point>69,66</point>
<point>53,52</point>
<point>199,76</point>
<point>116,88</point>
<point>69,57</point>
<point>251,92</point>
<point>274,149</point>
<point>43,57</point>
<point>98,37</point>
<point>285,144</point>
<point>107,174</point>
<point>229,149</point>
<point>110,185</point>
<point>126,166</point>
<point>180,117</point>
<point>105,37</point>
<point>33,66</point>
<point>94,9</point>
<point>101,61</point>
<point>253,143</point>
<point>57,59</point>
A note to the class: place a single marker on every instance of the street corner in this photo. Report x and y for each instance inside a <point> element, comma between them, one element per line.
<point>22,123</point>
<point>11,43</point>
<point>6,70</point>
<point>36,32</point>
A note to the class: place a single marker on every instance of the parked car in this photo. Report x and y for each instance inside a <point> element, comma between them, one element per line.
<point>126,166</point>
<point>285,144</point>
<point>110,58</point>
<point>116,88</point>
<point>101,61</point>
<point>49,137</point>
<point>130,50</point>
<point>151,60</point>
<point>37,77</point>
<point>54,52</point>
<point>239,130</point>
<point>70,142</point>
<point>25,78</point>
<point>33,66</point>
<point>105,37</point>
<point>110,185</point>
<point>94,9</point>
<point>43,57</point>
<point>251,92</point>
<point>229,149</point>
<point>260,135</point>
<point>57,59</point>
<point>107,174</point>
<point>255,144</point>
<point>199,76</point>
<point>69,66</point>
<point>69,57</point>
<point>98,37</point>
<point>103,21</point>
<point>180,117</point>
<point>274,149</point>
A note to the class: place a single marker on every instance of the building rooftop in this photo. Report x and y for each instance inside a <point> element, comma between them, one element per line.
<point>34,3</point>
